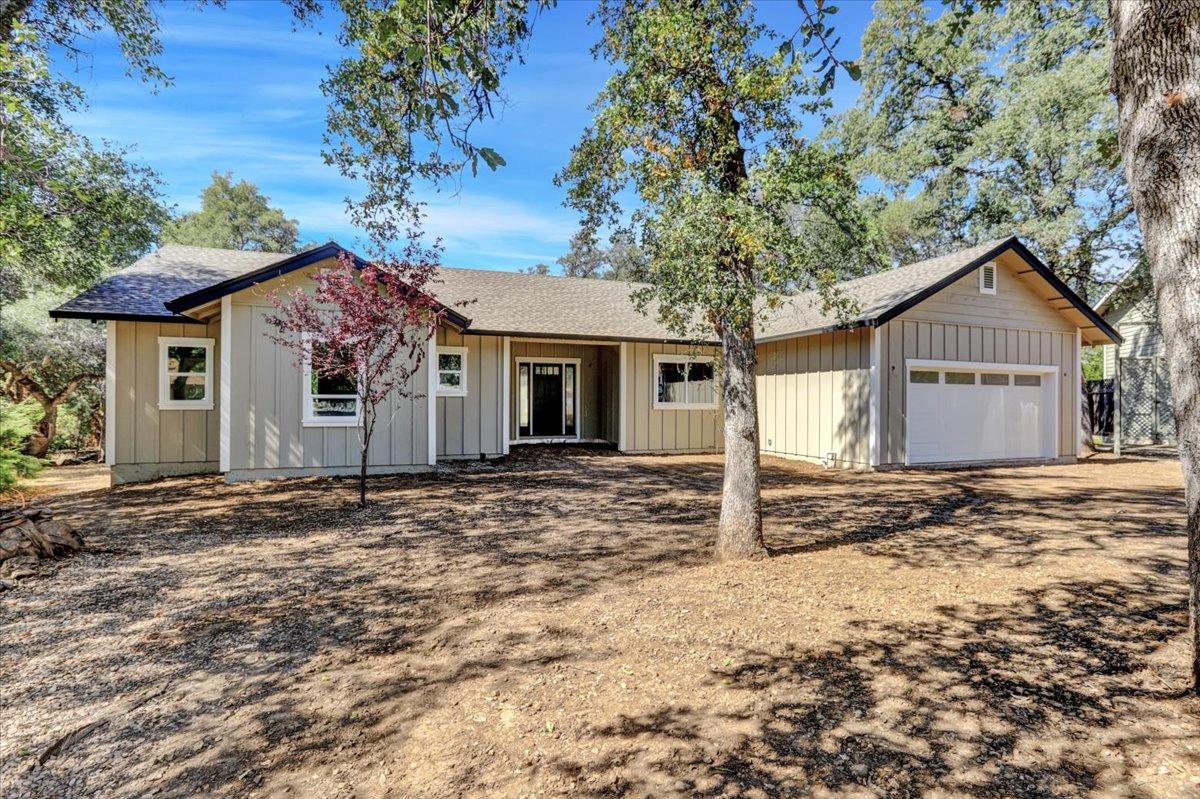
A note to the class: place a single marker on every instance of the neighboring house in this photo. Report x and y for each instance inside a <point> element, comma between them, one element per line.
<point>1144,413</point>
<point>969,357</point>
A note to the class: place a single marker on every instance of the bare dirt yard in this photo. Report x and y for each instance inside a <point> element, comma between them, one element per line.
<point>554,626</point>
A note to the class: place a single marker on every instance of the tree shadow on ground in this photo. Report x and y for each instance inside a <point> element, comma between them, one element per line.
<point>984,701</point>
<point>290,629</point>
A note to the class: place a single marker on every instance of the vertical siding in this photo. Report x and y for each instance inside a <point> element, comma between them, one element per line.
<point>650,430</point>
<point>267,431</point>
<point>813,395</point>
<point>470,426</point>
<point>145,435</point>
<point>901,339</point>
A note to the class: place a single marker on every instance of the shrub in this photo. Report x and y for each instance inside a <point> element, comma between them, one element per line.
<point>16,425</point>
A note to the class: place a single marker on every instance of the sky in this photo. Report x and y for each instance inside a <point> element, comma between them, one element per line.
<point>245,97</point>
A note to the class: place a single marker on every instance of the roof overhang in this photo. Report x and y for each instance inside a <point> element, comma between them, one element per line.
<point>290,264</point>
<point>101,316</point>
<point>1096,321</point>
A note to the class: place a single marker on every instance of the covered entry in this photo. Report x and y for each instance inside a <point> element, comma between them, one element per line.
<point>962,411</point>
<point>562,391</point>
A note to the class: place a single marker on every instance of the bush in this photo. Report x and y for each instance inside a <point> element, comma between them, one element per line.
<point>16,425</point>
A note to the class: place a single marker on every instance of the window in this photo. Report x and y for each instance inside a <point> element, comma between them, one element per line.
<point>987,278</point>
<point>993,380</point>
<point>452,371</point>
<point>922,376</point>
<point>684,382</point>
<point>960,378</point>
<point>523,400</point>
<point>330,400</point>
<point>185,373</point>
<point>1027,380</point>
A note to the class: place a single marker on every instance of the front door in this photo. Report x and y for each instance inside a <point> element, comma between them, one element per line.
<point>547,399</point>
<point>547,396</point>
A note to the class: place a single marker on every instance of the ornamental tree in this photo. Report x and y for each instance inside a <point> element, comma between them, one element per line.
<point>364,326</point>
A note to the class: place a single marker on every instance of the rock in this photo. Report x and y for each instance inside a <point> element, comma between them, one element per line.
<point>21,566</point>
<point>31,534</point>
<point>7,585</point>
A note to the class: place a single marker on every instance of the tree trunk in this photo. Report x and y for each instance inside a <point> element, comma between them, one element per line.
<point>362,464</point>
<point>739,533</point>
<point>44,431</point>
<point>1156,77</point>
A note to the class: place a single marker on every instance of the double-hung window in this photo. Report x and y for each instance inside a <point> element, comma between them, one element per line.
<point>684,382</point>
<point>452,371</point>
<point>185,373</point>
<point>330,395</point>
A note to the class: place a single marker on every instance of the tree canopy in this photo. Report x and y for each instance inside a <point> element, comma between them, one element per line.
<point>234,216</point>
<point>981,120</point>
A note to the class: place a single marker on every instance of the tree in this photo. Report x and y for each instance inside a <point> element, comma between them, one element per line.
<point>981,119</point>
<point>536,269</point>
<point>46,362</point>
<point>234,216</point>
<point>366,327</point>
<point>701,119</point>
<point>69,212</point>
<point>16,426</point>
<point>1155,74</point>
<point>623,259</point>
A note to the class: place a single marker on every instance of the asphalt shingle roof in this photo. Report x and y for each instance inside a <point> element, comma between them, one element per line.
<point>508,302</point>
<point>144,287</point>
<point>874,294</point>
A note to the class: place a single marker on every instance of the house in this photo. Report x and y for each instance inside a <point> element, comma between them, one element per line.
<point>1138,366</point>
<point>966,358</point>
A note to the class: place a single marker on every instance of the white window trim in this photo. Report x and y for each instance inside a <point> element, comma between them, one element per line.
<point>995,278</point>
<point>164,382</point>
<point>443,391</point>
<point>679,406</point>
<point>311,419</point>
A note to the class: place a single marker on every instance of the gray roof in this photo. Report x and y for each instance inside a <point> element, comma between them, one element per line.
<point>520,304</point>
<point>546,305</point>
<point>143,288</point>
<point>874,295</point>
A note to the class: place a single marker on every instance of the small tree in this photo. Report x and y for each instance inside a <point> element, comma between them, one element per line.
<point>367,325</point>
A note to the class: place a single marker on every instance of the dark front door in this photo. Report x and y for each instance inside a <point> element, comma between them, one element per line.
<point>547,399</point>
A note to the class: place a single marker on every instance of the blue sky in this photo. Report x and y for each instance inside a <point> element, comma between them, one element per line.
<point>246,98</point>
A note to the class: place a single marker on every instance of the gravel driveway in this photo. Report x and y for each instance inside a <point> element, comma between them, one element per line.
<point>553,626</point>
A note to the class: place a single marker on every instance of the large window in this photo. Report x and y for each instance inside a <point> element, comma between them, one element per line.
<point>452,371</point>
<point>684,382</point>
<point>185,373</point>
<point>330,399</point>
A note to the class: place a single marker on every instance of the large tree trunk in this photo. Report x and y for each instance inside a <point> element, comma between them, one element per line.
<point>739,533</point>
<point>44,431</point>
<point>1156,77</point>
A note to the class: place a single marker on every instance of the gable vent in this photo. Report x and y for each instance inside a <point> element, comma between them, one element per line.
<point>987,278</point>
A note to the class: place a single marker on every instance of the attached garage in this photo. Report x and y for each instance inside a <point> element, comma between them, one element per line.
<point>972,411</point>
<point>967,358</point>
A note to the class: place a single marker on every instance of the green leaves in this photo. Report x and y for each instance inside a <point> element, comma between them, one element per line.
<point>234,216</point>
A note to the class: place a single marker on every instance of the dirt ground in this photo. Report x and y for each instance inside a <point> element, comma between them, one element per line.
<point>554,627</point>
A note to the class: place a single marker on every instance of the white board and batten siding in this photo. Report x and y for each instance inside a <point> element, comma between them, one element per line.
<point>268,436</point>
<point>146,441</point>
<point>814,398</point>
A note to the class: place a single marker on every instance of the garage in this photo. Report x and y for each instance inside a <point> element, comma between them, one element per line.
<point>972,411</point>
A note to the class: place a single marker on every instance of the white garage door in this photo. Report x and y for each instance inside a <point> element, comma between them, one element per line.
<point>980,412</point>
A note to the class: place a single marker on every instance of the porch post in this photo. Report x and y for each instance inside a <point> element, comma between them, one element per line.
<point>1080,441</point>
<point>505,402</point>
<point>622,368</point>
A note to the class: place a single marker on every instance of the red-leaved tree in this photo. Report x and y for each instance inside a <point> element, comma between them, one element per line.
<point>366,328</point>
